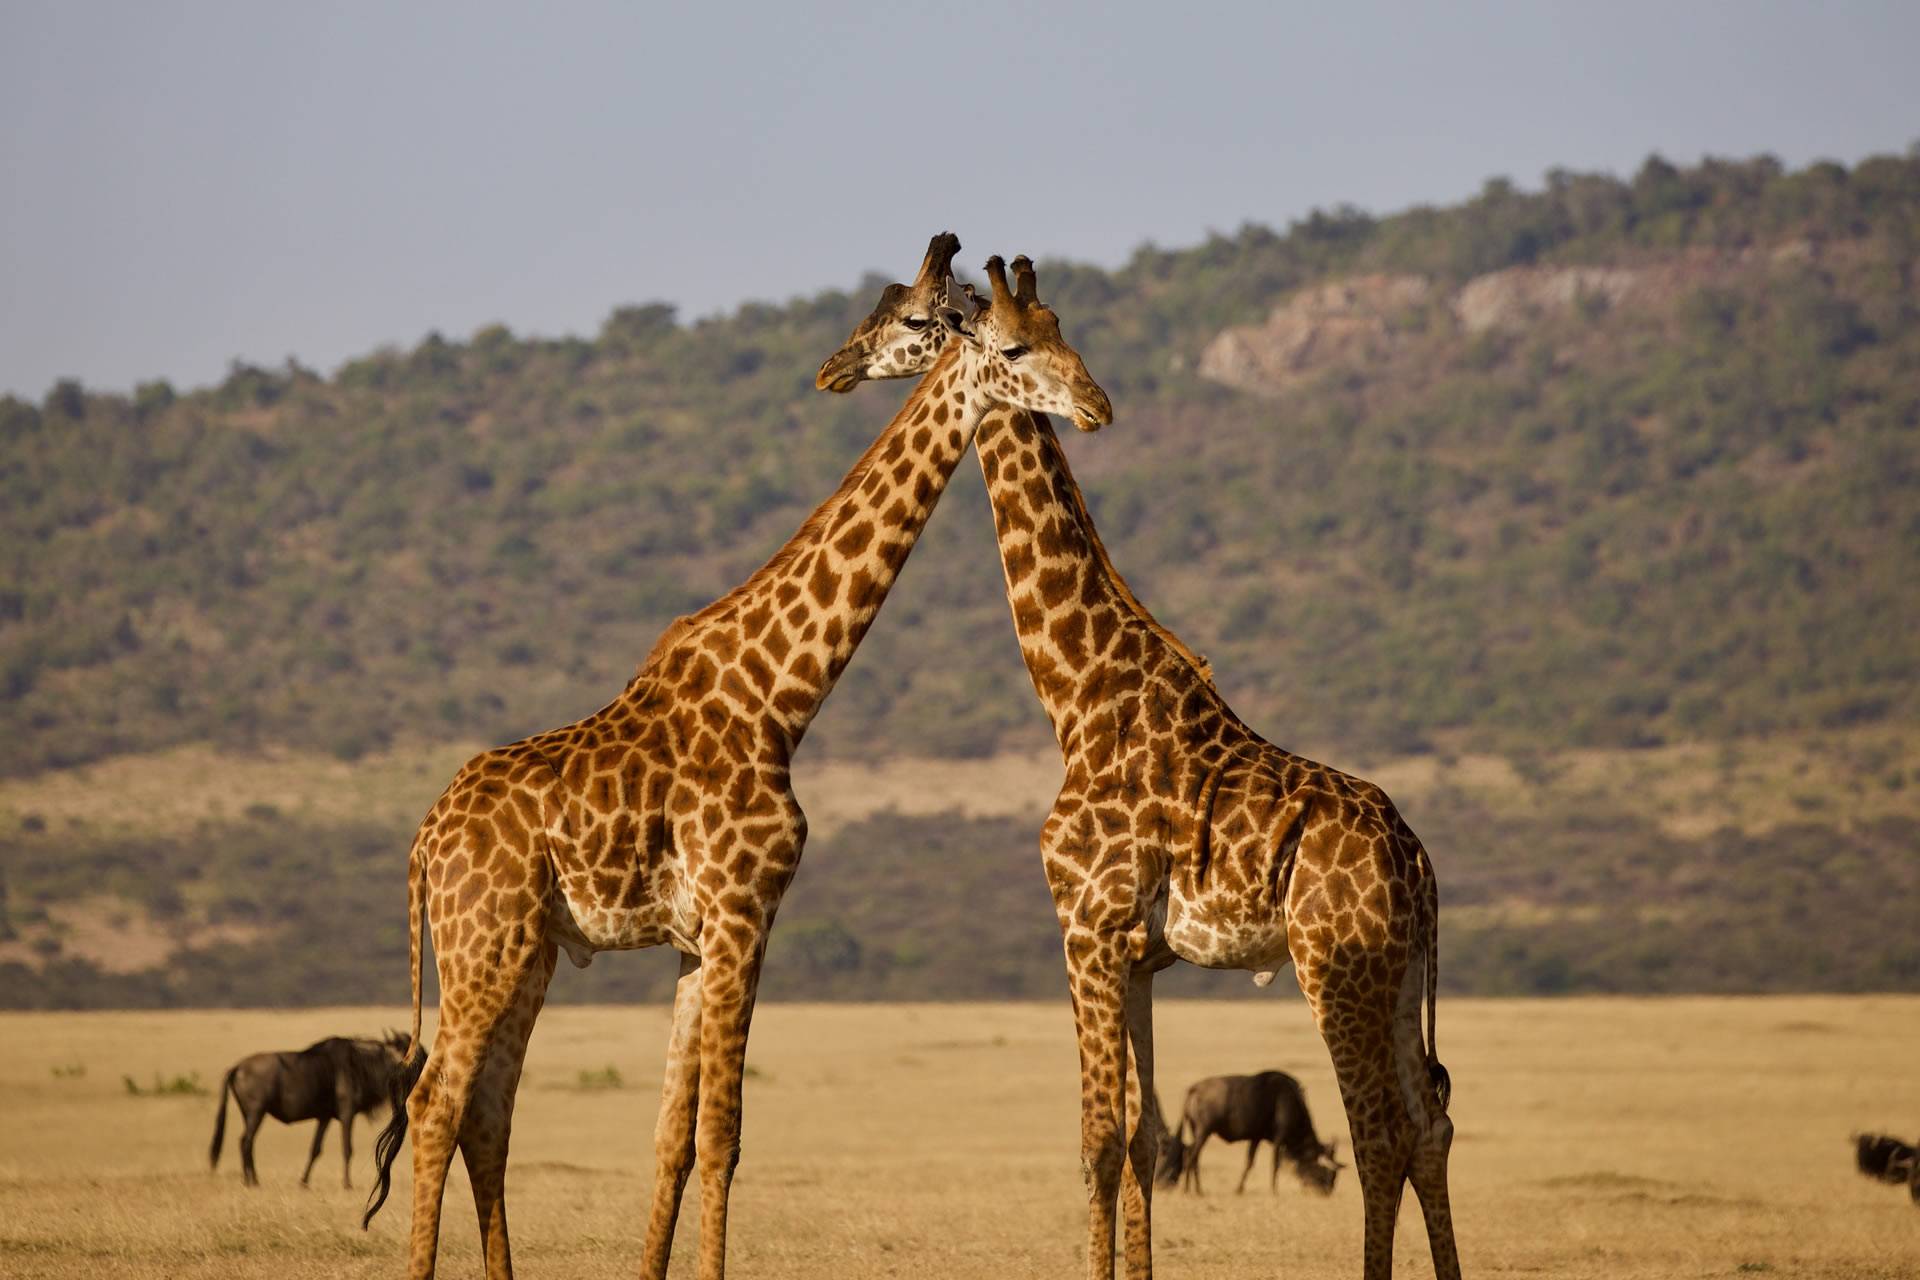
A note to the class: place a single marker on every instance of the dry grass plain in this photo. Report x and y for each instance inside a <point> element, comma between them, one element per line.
<point>1620,1138</point>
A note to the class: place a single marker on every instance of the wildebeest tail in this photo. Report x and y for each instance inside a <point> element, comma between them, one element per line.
<point>220,1119</point>
<point>406,1073</point>
<point>1442,1082</point>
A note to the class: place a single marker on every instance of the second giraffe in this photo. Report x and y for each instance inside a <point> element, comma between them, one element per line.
<point>1181,834</point>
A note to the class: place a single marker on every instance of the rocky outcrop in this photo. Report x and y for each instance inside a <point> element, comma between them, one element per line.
<point>1316,327</point>
<point>1519,295</point>
<point>1366,317</point>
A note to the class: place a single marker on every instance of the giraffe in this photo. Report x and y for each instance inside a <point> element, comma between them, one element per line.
<point>1181,834</point>
<point>668,817</point>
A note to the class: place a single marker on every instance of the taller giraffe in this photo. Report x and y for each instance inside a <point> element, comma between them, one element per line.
<point>1179,833</point>
<point>667,817</point>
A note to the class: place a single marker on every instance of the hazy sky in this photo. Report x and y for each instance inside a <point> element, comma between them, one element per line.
<point>187,183</point>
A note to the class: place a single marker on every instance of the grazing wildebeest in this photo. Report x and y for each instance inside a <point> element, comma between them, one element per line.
<point>1172,1154</point>
<point>1172,1159</point>
<point>333,1079</point>
<point>1888,1160</point>
<point>1268,1107</point>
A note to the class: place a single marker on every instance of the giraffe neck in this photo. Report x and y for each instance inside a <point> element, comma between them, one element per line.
<point>777,643</point>
<point>1083,635</point>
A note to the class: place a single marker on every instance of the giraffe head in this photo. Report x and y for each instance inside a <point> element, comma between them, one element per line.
<point>1026,362</point>
<point>904,334</point>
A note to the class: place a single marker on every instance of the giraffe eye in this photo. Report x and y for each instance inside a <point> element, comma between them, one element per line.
<point>915,323</point>
<point>1013,353</point>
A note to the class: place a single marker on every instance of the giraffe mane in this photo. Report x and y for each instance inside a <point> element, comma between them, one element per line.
<point>1078,501</point>
<point>803,537</point>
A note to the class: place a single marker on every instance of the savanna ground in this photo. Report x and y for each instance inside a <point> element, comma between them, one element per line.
<point>1597,1137</point>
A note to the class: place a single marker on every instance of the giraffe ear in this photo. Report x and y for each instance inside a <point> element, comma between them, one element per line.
<point>956,308</point>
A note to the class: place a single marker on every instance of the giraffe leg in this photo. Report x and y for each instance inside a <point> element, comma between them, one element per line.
<point>1146,1132</point>
<point>729,981</point>
<point>1381,1152</point>
<point>1433,1130</point>
<point>1429,1176</point>
<point>673,1133</point>
<point>313,1152</point>
<point>488,1124</point>
<point>1358,1027</point>
<point>1098,974</point>
<point>480,989</point>
<point>430,1115</point>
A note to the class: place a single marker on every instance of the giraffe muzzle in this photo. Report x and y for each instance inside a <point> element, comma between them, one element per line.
<point>841,371</point>
<point>1091,409</point>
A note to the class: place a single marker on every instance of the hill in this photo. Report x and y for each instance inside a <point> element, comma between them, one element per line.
<point>1610,467</point>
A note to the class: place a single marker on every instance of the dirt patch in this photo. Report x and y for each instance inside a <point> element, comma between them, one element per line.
<point>1607,1180</point>
<point>565,1167</point>
<point>115,936</point>
<point>1004,786</point>
<point>1689,789</point>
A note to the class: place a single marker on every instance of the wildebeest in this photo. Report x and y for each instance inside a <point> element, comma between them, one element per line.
<point>1173,1156</point>
<point>1166,1166</point>
<point>332,1079</point>
<point>1888,1160</point>
<point>1268,1107</point>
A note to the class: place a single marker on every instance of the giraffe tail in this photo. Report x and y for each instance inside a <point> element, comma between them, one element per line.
<point>1442,1082</point>
<point>405,1073</point>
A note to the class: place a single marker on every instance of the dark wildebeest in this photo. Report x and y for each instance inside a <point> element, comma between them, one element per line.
<point>1166,1165</point>
<point>334,1079</point>
<point>1268,1107</point>
<point>1889,1160</point>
